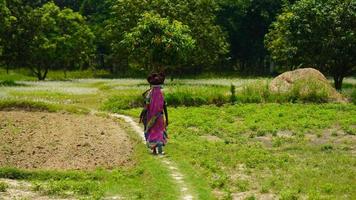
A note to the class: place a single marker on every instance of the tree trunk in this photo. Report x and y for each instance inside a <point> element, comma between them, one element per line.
<point>101,61</point>
<point>271,66</point>
<point>7,69</point>
<point>65,72</point>
<point>172,76</point>
<point>338,82</point>
<point>40,76</point>
<point>45,74</point>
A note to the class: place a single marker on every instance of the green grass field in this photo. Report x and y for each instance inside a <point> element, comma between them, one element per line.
<point>248,150</point>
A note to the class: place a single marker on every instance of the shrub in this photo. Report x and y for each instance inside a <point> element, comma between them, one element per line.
<point>180,95</point>
<point>327,147</point>
<point>3,187</point>
<point>64,186</point>
<point>12,173</point>
<point>289,195</point>
<point>253,93</point>
<point>116,103</point>
<point>353,96</point>
<point>9,83</point>
<point>252,197</point>
<point>310,91</point>
<point>233,97</point>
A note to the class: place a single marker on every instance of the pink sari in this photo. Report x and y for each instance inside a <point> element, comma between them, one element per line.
<point>155,123</point>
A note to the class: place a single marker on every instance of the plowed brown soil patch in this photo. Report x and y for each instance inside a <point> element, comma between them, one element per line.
<point>61,141</point>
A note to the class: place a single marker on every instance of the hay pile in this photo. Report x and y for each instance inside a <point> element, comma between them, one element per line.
<point>305,82</point>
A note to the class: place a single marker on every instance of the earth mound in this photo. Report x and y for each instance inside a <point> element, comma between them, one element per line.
<point>33,140</point>
<point>305,81</point>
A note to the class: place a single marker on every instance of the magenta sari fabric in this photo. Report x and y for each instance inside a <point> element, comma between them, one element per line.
<point>155,116</point>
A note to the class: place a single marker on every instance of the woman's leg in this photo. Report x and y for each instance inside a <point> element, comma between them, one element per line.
<point>160,148</point>
<point>154,151</point>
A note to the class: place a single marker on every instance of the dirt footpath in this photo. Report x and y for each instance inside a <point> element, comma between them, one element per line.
<point>61,141</point>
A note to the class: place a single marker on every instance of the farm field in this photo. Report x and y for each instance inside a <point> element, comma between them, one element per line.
<point>261,99</point>
<point>246,150</point>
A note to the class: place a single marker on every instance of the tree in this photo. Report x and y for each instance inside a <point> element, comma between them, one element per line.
<point>125,17</point>
<point>43,44</point>
<point>200,16</point>
<point>247,22</point>
<point>157,43</point>
<point>16,36</point>
<point>98,15</point>
<point>317,33</point>
<point>211,44</point>
<point>96,11</point>
<point>61,39</point>
<point>75,40</point>
<point>72,4</point>
<point>4,22</point>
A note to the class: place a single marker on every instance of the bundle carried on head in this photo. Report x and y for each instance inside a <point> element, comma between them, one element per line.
<point>156,78</point>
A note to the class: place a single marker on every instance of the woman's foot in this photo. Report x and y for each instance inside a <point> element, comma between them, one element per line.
<point>154,151</point>
<point>159,149</point>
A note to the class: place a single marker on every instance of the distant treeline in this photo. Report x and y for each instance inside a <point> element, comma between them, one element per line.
<point>254,37</point>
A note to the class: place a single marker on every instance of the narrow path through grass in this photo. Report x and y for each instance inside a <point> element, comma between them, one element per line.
<point>175,172</point>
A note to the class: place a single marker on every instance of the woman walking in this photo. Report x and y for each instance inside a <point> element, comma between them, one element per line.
<point>152,115</point>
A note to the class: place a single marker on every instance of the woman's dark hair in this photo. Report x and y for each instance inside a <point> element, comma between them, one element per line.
<point>156,78</point>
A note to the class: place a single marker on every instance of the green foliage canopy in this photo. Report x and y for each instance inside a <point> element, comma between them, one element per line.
<point>60,38</point>
<point>13,32</point>
<point>246,23</point>
<point>199,16</point>
<point>41,36</point>
<point>317,33</point>
<point>4,20</point>
<point>157,43</point>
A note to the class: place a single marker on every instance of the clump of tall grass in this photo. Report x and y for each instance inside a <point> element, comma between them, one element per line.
<point>63,187</point>
<point>9,83</point>
<point>76,74</point>
<point>233,97</point>
<point>179,94</point>
<point>3,187</point>
<point>26,105</point>
<point>117,102</point>
<point>310,91</point>
<point>30,105</point>
<point>175,95</point>
<point>256,92</point>
<point>301,91</point>
<point>196,96</point>
<point>353,96</point>
<point>16,75</point>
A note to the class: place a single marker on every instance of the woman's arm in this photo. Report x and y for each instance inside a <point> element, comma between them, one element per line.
<point>165,112</point>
